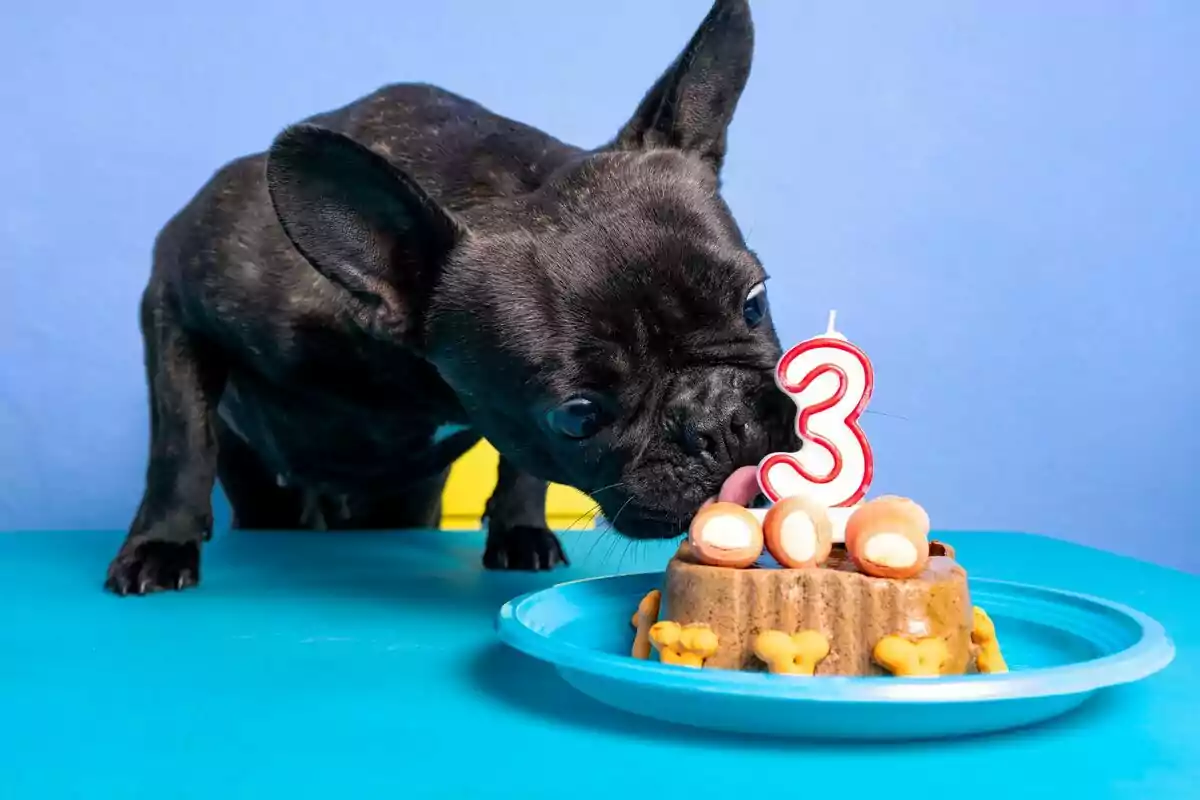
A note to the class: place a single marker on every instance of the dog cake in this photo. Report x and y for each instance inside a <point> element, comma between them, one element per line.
<point>824,581</point>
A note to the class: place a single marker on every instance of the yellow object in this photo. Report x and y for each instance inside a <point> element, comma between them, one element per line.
<point>904,658</point>
<point>472,479</point>
<point>686,645</point>
<point>988,658</point>
<point>645,616</point>
<point>797,654</point>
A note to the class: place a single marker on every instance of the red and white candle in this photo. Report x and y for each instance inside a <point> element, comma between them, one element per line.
<point>830,380</point>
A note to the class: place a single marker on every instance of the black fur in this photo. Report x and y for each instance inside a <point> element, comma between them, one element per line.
<point>410,261</point>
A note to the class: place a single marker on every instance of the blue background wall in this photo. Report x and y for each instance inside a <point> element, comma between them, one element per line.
<point>1001,199</point>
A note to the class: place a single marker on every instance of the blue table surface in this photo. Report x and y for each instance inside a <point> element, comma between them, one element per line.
<point>365,665</point>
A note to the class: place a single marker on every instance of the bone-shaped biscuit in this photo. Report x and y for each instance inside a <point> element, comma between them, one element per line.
<point>645,616</point>
<point>797,654</point>
<point>905,658</point>
<point>683,645</point>
<point>988,657</point>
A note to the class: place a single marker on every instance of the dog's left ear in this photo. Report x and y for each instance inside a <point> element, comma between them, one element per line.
<point>692,104</point>
<point>364,224</point>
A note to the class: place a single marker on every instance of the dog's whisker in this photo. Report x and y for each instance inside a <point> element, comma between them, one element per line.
<point>617,485</point>
<point>614,536</point>
<point>612,539</point>
<point>592,511</point>
<point>886,414</point>
<point>629,545</point>
<point>582,517</point>
<point>601,535</point>
<point>613,524</point>
<point>595,541</point>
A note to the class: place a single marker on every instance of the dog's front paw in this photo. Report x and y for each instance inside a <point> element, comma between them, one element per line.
<point>523,547</point>
<point>153,565</point>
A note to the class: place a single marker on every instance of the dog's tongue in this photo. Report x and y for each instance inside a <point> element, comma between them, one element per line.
<point>741,487</point>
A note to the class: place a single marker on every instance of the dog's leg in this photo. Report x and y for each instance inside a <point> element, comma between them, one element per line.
<point>255,496</point>
<point>518,537</point>
<point>417,506</point>
<point>185,377</point>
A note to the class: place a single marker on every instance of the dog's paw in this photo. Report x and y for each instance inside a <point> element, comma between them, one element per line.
<point>154,565</point>
<point>523,547</point>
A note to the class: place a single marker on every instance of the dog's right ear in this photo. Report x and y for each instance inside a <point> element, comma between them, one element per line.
<point>362,223</point>
<point>692,104</point>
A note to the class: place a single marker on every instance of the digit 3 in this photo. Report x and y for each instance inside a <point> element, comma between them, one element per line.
<point>726,535</point>
<point>839,465</point>
<point>888,537</point>
<point>798,533</point>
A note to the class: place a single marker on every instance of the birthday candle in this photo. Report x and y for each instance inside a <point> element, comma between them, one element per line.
<point>830,380</point>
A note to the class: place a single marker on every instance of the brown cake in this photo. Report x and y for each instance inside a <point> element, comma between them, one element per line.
<point>851,610</point>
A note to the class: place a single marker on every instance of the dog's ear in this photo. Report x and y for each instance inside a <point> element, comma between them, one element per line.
<point>692,104</point>
<point>362,223</point>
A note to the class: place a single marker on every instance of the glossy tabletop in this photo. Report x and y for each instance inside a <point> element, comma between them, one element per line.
<point>365,665</point>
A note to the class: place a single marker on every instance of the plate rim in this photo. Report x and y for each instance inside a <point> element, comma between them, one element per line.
<point>1152,652</point>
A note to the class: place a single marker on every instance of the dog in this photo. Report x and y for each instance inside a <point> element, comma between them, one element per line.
<point>330,324</point>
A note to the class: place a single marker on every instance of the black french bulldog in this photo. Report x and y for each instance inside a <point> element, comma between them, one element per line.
<point>329,325</point>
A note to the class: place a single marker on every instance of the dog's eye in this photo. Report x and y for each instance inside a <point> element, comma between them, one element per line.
<point>754,309</point>
<point>578,418</point>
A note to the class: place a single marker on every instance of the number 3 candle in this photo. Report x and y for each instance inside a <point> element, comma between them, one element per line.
<point>830,380</point>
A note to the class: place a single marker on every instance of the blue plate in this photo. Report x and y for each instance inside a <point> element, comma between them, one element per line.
<point>1060,647</point>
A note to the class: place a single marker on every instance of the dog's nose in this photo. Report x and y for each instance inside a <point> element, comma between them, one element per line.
<point>737,422</point>
<point>719,414</point>
<point>694,440</point>
<point>714,433</point>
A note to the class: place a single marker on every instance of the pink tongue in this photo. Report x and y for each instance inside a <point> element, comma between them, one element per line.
<point>741,487</point>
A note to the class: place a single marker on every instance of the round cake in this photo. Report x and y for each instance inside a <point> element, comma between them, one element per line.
<point>853,612</point>
<point>888,601</point>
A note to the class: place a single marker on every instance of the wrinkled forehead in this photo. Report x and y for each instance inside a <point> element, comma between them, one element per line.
<point>646,263</point>
<point>646,229</point>
<point>625,258</point>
